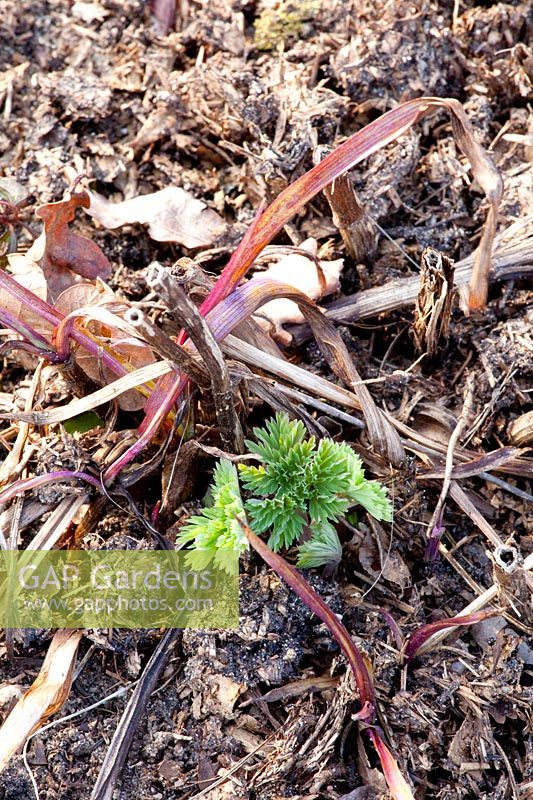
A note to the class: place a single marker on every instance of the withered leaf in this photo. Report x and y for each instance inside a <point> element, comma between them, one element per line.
<point>65,249</point>
<point>46,696</point>
<point>29,274</point>
<point>314,278</point>
<point>172,215</point>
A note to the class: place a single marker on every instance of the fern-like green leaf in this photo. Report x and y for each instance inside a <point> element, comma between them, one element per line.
<point>298,483</point>
<point>323,548</point>
<point>372,495</point>
<point>327,478</point>
<point>215,533</point>
<point>277,438</point>
<point>280,514</point>
<point>257,480</point>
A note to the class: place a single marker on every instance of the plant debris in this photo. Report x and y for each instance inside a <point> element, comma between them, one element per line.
<point>280,219</point>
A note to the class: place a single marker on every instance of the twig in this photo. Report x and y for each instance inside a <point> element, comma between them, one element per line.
<point>454,438</point>
<point>177,355</point>
<point>348,215</point>
<point>469,508</point>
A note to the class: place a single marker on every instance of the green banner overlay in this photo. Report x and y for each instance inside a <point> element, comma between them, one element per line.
<point>113,589</point>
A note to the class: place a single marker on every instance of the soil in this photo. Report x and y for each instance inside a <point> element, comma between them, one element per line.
<point>229,103</point>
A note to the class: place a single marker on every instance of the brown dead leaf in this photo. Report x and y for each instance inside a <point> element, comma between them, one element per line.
<point>132,351</point>
<point>172,215</point>
<point>46,696</point>
<point>65,249</point>
<point>96,309</point>
<point>84,294</point>
<point>378,562</point>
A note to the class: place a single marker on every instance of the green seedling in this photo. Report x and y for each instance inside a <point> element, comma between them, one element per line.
<point>299,490</point>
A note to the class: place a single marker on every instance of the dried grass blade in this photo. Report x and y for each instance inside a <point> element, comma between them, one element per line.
<point>132,380</point>
<point>236,348</point>
<point>245,300</point>
<point>58,523</point>
<point>490,181</point>
<point>46,696</point>
<point>485,463</point>
<point>360,145</point>
<point>123,736</point>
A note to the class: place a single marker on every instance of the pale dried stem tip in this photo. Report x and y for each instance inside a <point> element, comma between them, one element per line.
<point>348,215</point>
<point>434,302</point>
<point>178,356</point>
<point>520,431</point>
<point>202,337</point>
<point>514,585</point>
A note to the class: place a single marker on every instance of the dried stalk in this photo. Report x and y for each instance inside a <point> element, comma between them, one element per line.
<point>174,353</point>
<point>348,215</point>
<point>509,263</point>
<point>122,738</point>
<point>466,505</point>
<point>434,302</point>
<point>207,346</point>
<point>511,581</point>
<point>454,438</point>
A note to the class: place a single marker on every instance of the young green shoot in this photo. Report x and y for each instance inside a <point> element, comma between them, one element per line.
<point>300,489</point>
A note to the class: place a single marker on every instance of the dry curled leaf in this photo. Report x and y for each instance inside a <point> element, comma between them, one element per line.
<point>101,316</point>
<point>172,215</point>
<point>314,278</point>
<point>65,249</point>
<point>84,294</point>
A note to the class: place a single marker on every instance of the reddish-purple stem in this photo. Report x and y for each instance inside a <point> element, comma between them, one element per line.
<point>315,603</point>
<point>422,634</point>
<point>26,484</point>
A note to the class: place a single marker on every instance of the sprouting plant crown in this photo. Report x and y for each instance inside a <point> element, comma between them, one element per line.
<point>299,490</point>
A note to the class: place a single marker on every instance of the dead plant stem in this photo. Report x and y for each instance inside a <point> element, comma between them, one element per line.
<point>454,438</point>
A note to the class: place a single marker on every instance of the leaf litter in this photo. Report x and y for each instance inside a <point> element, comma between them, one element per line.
<point>191,112</point>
